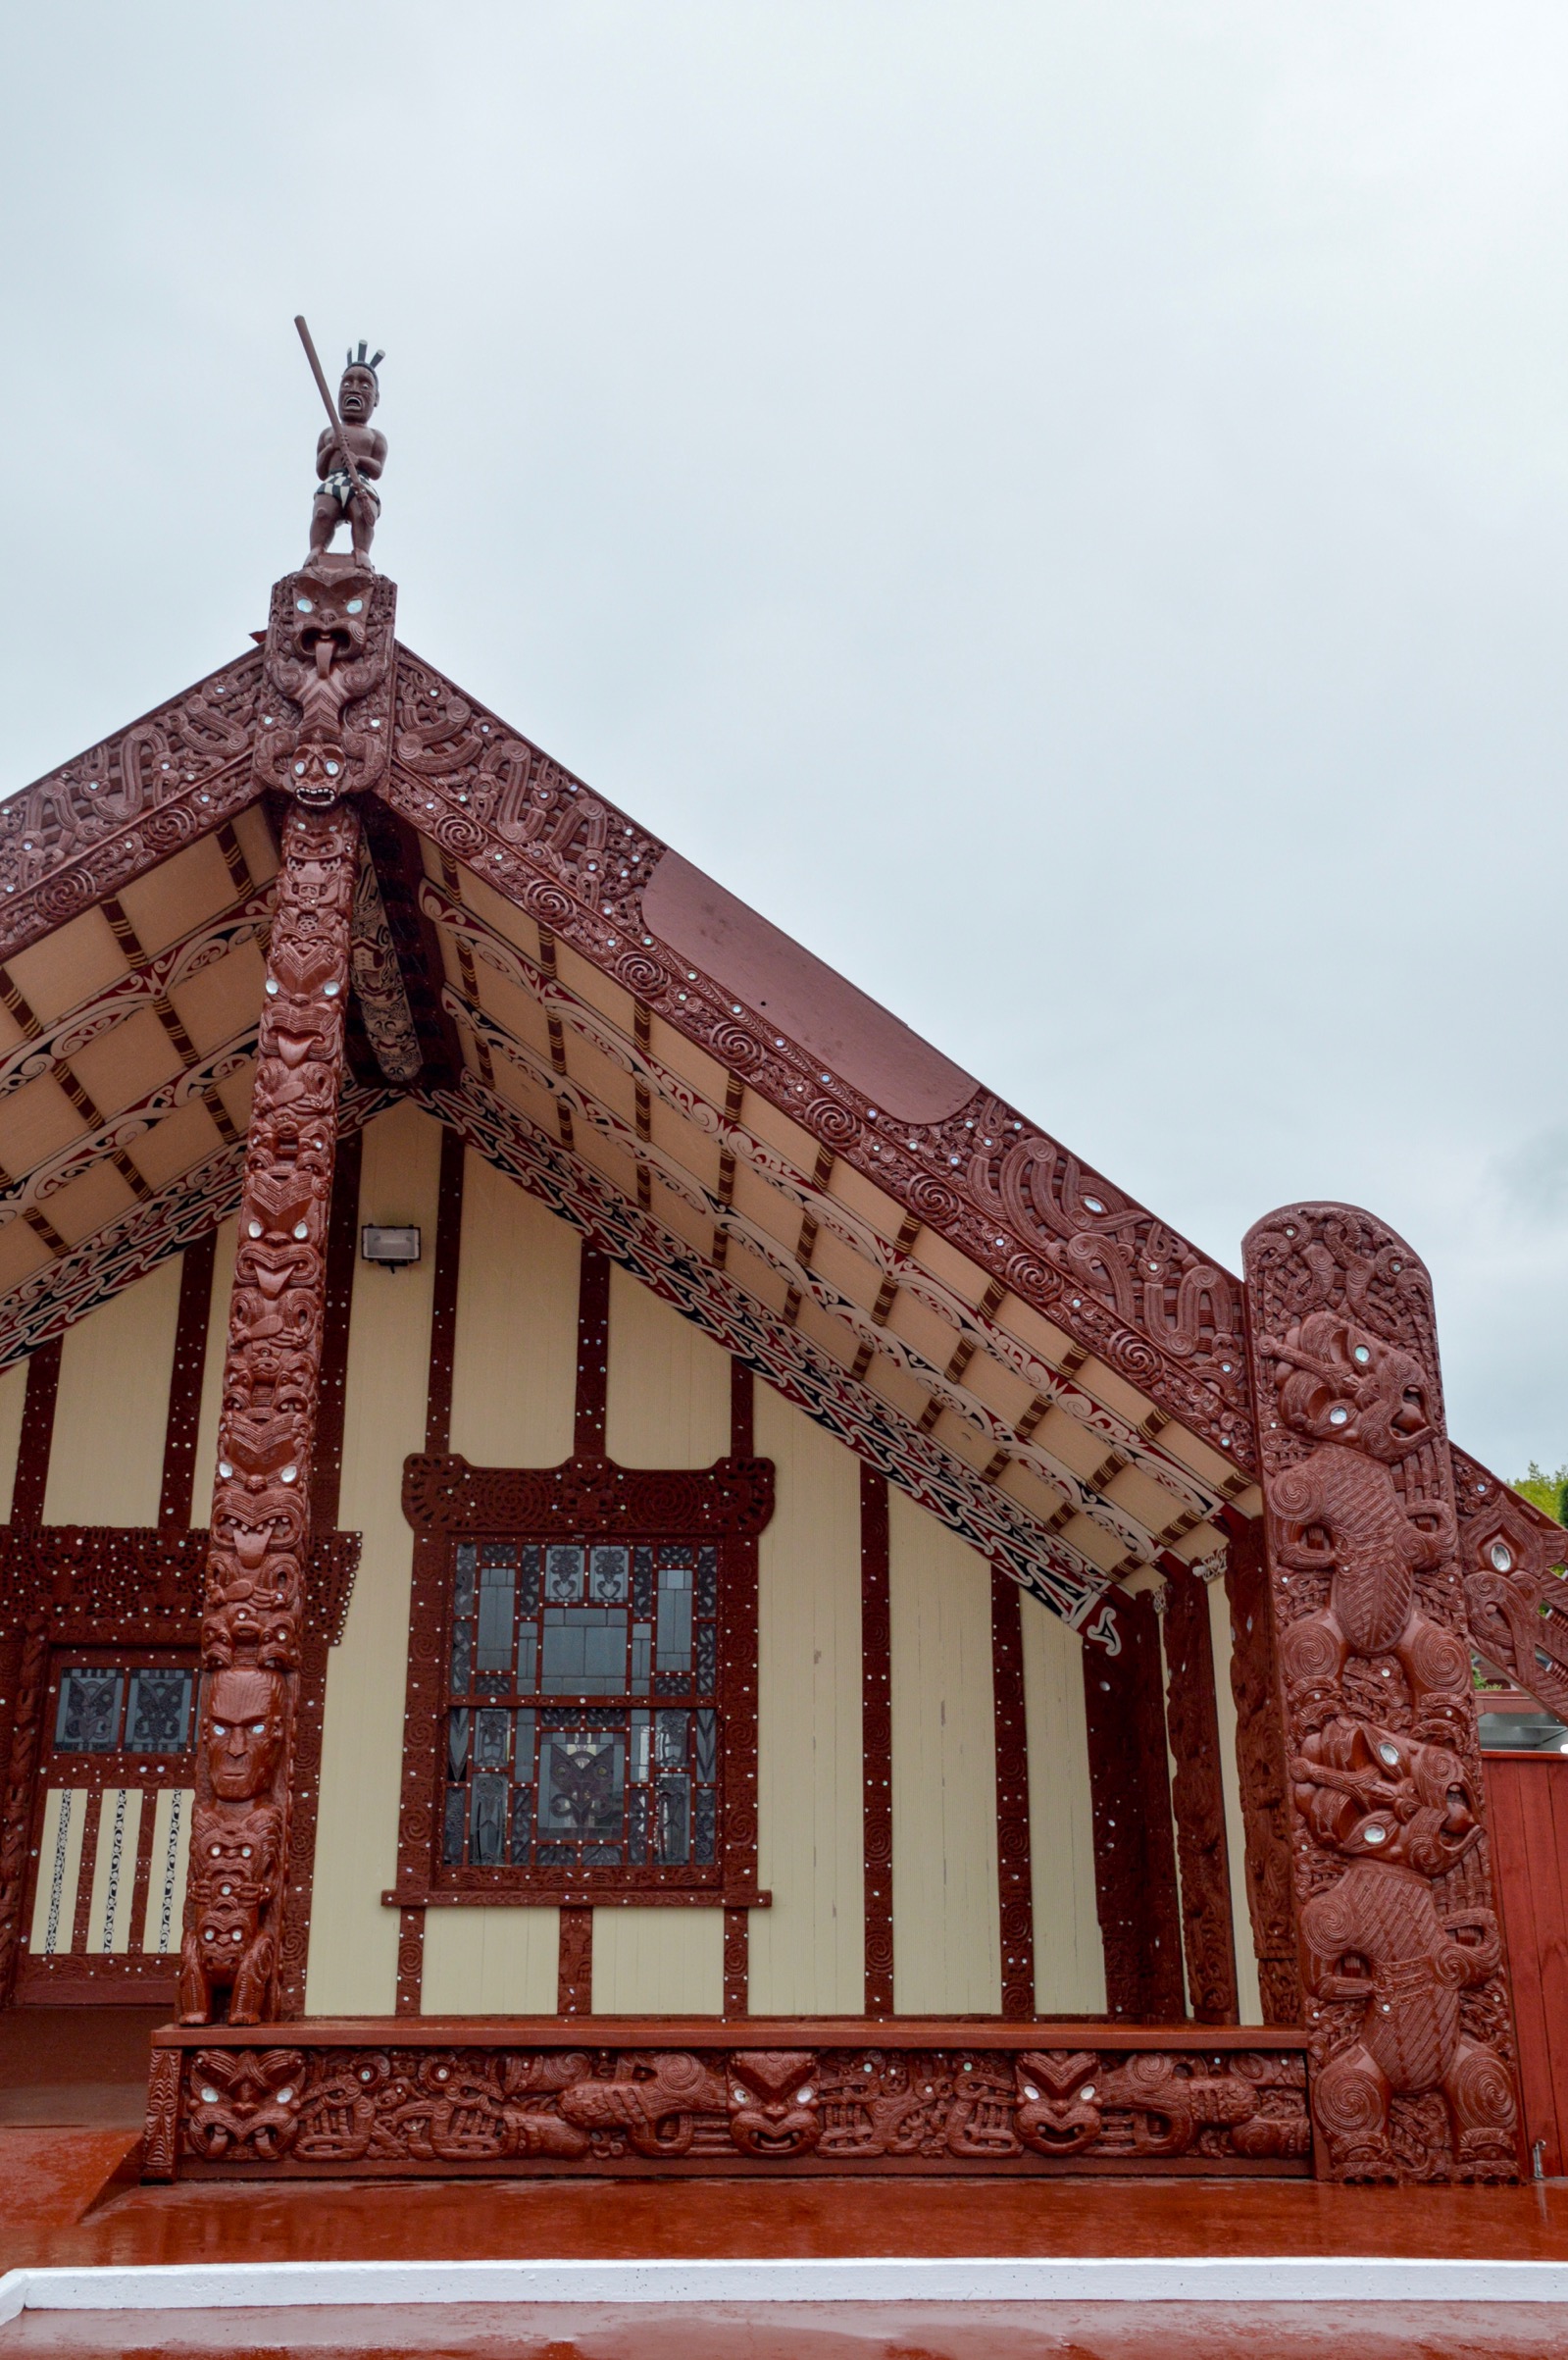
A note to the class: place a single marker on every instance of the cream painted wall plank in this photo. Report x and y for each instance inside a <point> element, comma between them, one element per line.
<point>225,1249</point>
<point>1069,1956</point>
<point>514,1373</point>
<point>490,1961</point>
<point>353,1948</point>
<point>946,1937</point>
<point>12,1396</point>
<point>1248,1993</point>
<point>669,1385</point>
<point>106,1461</point>
<point>808,1950</point>
<point>658,1962</point>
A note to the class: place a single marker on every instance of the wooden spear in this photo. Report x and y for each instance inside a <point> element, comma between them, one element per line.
<point>332,406</point>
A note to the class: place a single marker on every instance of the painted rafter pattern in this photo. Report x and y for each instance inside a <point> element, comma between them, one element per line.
<point>987,1519</point>
<point>379,987</point>
<point>150,981</point>
<point>1120,1283</point>
<point>88,828</point>
<point>973,1330</point>
<point>54,1297</point>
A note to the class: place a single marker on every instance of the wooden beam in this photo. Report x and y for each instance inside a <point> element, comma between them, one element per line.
<point>1134,1860</point>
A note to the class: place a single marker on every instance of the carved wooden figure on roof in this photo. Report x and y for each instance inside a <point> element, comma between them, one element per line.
<point>349,457</point>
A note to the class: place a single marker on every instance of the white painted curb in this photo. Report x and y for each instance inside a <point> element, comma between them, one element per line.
<point>1224,2278</point>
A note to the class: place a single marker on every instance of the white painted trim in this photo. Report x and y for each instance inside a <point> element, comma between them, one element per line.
<point>1236,2279</point>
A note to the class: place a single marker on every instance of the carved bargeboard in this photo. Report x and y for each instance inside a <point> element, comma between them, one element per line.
<point>622,2098</point>
<point>1407,2006</point>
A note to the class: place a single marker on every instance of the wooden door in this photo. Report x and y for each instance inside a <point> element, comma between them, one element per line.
<point>1527,1800</point>
<point>111,1827</point>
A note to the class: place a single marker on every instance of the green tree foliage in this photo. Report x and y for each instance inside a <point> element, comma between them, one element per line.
<point>1548,1493</point>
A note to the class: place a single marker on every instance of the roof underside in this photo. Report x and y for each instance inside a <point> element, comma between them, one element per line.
<point>1040,1362</point>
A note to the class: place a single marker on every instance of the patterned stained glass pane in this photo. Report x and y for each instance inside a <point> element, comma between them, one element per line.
<point>705,1666</point>
<point>462,1659</point>
<point>671,1798</point>
<point>705,1744</point>
<point>636,1847</point>
<point>88,1719</point>
<point>522,1749</point>
<point>463,1581</point>
<point>529,1579</point>
<point>581,1783</point>
<point>457,1743</point>
<point>158,1711</point>
<point>492,1731</point>
<point>563,1573</point>
<point>642,1582</point>
<point>674,1617</point>
<point>498,1553</point>
<point>707,1581</point>
<point>452,1826</point>
<point>609,1575</point>
<point>487,1823</point>
<point>522,1825</point>
<point>704,1818</point>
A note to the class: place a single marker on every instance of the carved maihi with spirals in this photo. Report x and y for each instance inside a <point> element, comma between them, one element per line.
<point>254,1605</point>
<point>1412,2044</point>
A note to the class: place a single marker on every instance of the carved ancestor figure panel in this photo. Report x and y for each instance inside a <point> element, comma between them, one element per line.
<point>610,2098</point>
<point>251,1628</point>
<point>1407,2006</point>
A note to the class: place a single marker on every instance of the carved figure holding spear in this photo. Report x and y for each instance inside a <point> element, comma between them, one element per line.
<point>350,453</point>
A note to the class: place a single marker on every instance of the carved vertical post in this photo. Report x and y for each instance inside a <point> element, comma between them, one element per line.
<point>1407,2005</point>
<point>329,669</point>
<point>1135,1858</point>
<point>1260,1766</point>
<point>1198,1797</point>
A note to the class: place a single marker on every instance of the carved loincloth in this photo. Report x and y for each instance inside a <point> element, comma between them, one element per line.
<point>340,486</point>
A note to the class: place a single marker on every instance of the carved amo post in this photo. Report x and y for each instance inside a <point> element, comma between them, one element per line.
<point>1406,2003</point>
<point>328,681</point>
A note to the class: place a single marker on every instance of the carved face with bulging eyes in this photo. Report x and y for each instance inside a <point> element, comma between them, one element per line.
<point>357,395</point>
<point>244,1733</point>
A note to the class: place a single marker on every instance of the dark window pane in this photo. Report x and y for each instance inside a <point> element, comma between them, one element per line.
<point>462,1659</point>
<point>704,1818</point>
<point>492,1731</point>
<point>463,1581</point>
<point>522,1825</point>
<point>456,1744</point>
<point>88,1719</point>
<point>498,1553</point>
<point>674,1617</point>
<point>497,1586</point>
<point>670,1740</point>
<point>563,1573</point>
<point>636,1850</point>
<point>487,1821</point>
<point>558,1856</point>
<point>527,1659</point>
<point>158,1711</point>
<point>705,1671</point>
<point>642,1581</point>
<point>522,1749</point>
<point>452,1826</point>
<point>670,1802</point>
<point>705,1745</point>
<point>641,1655</point>
<point>707,1581</point>
<point>601,1856</point>
<point>581,1783</point>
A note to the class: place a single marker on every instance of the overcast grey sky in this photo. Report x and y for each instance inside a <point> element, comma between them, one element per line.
<point>1063,506</point>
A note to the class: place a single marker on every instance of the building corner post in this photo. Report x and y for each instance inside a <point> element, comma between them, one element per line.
<point>1411,2047</point>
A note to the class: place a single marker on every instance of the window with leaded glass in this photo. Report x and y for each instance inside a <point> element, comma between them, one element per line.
<point>125,1708</point>
<point>584,1716</point>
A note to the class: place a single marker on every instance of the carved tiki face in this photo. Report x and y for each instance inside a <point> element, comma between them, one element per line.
<point>358,393</point>
<point>1370,1793</point>
<point>244,1733</point>
<point>1340,1383</point>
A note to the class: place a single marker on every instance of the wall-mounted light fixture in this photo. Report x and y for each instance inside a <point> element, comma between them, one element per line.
<point>391,1249</point>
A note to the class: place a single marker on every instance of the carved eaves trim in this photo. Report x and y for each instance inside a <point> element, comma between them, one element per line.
<point>1102,1268</point>
<point>87,829</point>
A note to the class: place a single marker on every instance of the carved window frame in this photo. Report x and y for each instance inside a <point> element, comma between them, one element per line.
<point>587,1501</point>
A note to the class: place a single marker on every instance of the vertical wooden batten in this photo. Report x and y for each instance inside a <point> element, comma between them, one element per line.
<point>437,1437</point>
<point>1015,1879</point>
<point>1197,1797</point>
<point>177,1490</point>
<point>1135,1858</point>
<point>877,1739</point>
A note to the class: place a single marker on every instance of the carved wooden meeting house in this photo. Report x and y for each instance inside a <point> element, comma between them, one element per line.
<point>613,1566</point>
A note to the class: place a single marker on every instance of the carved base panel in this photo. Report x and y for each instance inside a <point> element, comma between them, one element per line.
<point>452,2097</point>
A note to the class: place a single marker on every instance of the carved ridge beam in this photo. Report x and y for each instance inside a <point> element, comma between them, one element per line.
<point>987,1519</point>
